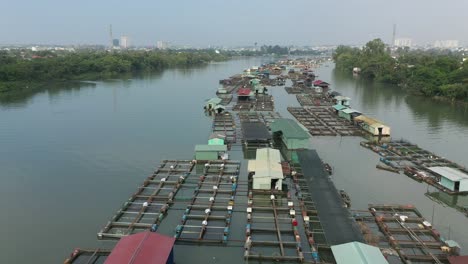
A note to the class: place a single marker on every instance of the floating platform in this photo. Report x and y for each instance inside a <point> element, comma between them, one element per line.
<point>314,99</point>
<point>207,217</point>
<point>402,229</point>
<point>89,256</point>
<point>224,123</point>
<point>335,218</point>
<point>415,162</point>
<point>321,121</point>
<point>147,207</point>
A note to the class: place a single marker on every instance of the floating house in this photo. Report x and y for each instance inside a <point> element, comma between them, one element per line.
<point>255,133</point>
<point>451,178</point>
<point>209,152</point>
<point>143,248</point>
<point>372,126</point>
<point>212,103</point>
<point>348,114</point>
<point>266,169</point>
<point>291,133</point>
<point>217,138</point>
<point>244,93</point>
<point>357,253</point>
<point>342,100</point>
<point>221,90</point>
<point>321,83</point>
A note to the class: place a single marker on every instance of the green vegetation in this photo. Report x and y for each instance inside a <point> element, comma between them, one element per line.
<point>19,70</point>
<point>429,73</point>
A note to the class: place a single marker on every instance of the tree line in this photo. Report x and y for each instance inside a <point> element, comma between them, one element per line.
<point>18,71</point>
<point>430,73</point>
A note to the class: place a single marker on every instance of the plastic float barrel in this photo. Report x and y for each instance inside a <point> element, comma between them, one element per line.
<point>301,256</point>
<point>234,186</point>
<point>247,229</point>
<point>160,217</point>
<point>184,218</point>
<point>164,208</point>
<point>315,256</point>
<point>228,220</point>
<point>289,195</point>
<point>178,231</point>
<point>248,243</point>
<point>187,211</point>
<point>250,195</point>
<point>154,227</point>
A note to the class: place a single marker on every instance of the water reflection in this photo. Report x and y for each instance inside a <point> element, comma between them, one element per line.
<point>21,97</point>
<point>437,112</point>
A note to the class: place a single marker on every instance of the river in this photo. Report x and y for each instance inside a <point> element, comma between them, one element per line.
<point>70,157</point>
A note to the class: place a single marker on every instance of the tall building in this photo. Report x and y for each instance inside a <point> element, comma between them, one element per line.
<point>162,44</point>
<point>446,44</point>
<point>124,42</point>
<point>403,42</point>
<point>115,43</point>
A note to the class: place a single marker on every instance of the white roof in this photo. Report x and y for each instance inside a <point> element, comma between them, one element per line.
<point>266,169</point>
<point>449,173</point>
<point>340,98</point>
<point>356,252</point>
<point>267,164</point>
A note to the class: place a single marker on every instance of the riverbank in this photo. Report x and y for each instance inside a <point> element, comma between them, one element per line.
<point>435,74</point>
<point>17,71</point>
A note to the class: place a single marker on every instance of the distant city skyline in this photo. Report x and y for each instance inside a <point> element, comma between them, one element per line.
<point>225,23</point>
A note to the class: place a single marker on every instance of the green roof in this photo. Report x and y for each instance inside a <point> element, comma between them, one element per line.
<point>338,107</point>
<point>350,111</point>
<point>199,148</point>
<point>357,253</point>
<point>289,128</point>
<point>214,100</point>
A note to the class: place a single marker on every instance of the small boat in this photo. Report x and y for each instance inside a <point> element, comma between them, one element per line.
<point>345,198</point>
<point>328,168</point>
<point>387,168</point>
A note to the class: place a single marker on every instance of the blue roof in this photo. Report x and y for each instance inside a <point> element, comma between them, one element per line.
<point>358,253</point>
<point>338,107</point>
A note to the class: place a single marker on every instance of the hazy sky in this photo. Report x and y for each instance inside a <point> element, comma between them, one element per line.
<point>230,22</point>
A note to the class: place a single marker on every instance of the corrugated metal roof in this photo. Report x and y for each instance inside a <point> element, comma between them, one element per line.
<point>449,173</point>
<point>255,131</point>
<point>210,148</point>
<point>289,128</point>
<point>214,100</point>
<point>458,259</point>
<point>145,248</point>
<point>368,120</point>
<point>267,164</point>
<point>243,91</point>
<point>217,135</point>
<point>338,107</point>
<point>349,111</point>
<point>269,154</point>
<point>341,98</point>
<point>357,253</point>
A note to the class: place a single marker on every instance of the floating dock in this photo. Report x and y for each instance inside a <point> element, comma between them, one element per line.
<point>147,207</point>
<point>321,121</point>
<point>207,217</point>
<point>401,229</point>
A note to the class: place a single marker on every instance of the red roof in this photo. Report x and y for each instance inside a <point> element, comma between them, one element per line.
<point>243,92</point>
<point>317,82</point>
<point>142,248</point>
<point>458,259</point>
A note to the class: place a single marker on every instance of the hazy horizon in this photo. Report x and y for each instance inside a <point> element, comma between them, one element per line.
<point>210,22</point>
